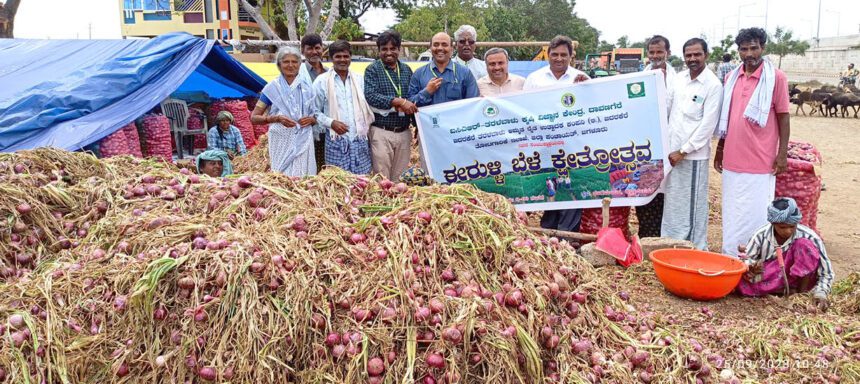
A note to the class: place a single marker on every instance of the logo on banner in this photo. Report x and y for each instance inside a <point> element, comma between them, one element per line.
<point>435,120</point>
<point>491,110</point>
<point>568,100</point>
<point>635,90</point>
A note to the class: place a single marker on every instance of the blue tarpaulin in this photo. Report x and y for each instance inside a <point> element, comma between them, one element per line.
<point>525,68</point>
<point>71,93</point>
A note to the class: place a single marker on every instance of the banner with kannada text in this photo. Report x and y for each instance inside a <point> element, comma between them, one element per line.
<point>555,148</point>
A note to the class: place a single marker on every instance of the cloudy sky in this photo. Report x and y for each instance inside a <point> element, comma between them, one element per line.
<point>65,19</point>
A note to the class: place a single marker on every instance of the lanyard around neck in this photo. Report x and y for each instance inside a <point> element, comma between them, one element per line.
<point>397,87</point>
<point>433,71</point>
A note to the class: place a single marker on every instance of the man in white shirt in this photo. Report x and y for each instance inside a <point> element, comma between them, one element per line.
<point>558,72</point>
<point>650,216</point>
<point>466,37</point>
<point>344,113</point>
<point>658,57</point>
<point>499,81</point>
<point>694,99</point>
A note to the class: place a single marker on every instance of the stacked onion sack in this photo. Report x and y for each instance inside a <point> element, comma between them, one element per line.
<point>139,272</point>
<point>115,144</point>
<point>241,118</point>
<point>157,140</point>
<point>132,139</point>
<point>801,181</point>
<point>592,220</point>
<point>195,122</point>
<point>259,129</point>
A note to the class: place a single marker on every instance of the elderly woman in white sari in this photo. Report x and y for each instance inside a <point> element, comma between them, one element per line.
<point>289,101</point>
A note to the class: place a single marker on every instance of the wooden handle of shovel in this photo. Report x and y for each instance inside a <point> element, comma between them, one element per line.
<point>605,211</point>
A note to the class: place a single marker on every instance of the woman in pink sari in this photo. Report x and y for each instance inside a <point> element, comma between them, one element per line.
<point>805,265</point>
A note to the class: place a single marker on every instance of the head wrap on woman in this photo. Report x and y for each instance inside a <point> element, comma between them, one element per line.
<point>784,210</point>
<point>215,155</point>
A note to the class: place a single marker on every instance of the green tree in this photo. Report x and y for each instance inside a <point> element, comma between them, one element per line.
<point>502,20</point>
<point>605,46</point>
<point>782,44</point>
<point>441,16</point>
<point>676,62</point>
<point>622,42</point>
<point>346,29</point>
<point>724,47</point>
<point>357,8</point>
<point>507,24</point>
<point>641,44</point>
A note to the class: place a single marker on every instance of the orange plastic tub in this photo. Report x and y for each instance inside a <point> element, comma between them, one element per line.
<point>697,274</point>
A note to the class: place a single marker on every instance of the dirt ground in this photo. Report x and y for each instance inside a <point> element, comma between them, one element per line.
<point>837,139</point>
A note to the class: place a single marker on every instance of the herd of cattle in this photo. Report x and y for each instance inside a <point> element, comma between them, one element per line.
<point>828,100</point>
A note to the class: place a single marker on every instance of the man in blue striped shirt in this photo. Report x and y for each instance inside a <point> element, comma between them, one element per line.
<point>805,265</point>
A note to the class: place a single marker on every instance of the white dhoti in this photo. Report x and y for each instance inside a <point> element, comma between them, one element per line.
<point>746,197</point>
<point>685,208</point>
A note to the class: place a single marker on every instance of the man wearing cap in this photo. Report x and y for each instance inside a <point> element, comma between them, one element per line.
<point>806,265</point>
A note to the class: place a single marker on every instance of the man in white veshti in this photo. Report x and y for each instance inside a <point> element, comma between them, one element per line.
<point>694,100</point>
<point>753,147</point>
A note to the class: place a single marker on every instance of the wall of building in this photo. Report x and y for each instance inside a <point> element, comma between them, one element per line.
<point>824,62</point>
<point>149,24</point>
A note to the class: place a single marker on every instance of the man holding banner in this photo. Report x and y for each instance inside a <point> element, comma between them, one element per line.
<point>558,147</point>
<point>499,81</point>
<point>558,72</point>
<point>695,96</point>
<point>650,215</point>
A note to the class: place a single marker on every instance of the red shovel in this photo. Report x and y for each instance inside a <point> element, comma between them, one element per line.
<point>781,261</point>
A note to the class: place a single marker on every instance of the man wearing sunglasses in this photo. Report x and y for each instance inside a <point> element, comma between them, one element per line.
<point>466,38</point>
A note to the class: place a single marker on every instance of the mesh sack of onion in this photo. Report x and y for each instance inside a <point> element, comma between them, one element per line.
<point>114,144</point>
<point>195,122</point>
<point>592,220</point>
<point>801,181</point>
<point>132,139</point>
<point>157,140</point>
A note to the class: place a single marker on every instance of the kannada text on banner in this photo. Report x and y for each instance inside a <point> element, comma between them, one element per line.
<point>554,148</point>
